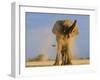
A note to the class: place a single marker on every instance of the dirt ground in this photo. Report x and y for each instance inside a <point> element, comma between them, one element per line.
<point>50,63</point>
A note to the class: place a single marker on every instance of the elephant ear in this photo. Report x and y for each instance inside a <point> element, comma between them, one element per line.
<point>72,26</point>
<point>58,27</point>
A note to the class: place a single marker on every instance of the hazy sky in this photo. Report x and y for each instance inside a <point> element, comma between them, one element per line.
<point>39,36</point>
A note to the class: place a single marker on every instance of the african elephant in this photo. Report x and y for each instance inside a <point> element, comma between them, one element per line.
<point>65,32</point>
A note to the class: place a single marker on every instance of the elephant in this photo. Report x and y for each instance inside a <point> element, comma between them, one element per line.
<point>65,32</point>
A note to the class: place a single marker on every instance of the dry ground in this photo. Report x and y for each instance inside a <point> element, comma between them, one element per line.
<point>50,63</point>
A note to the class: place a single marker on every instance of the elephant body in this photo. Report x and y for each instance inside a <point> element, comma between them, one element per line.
<point>65,32</point>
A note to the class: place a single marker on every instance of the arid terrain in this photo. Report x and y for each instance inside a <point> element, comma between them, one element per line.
<point>51,62</point>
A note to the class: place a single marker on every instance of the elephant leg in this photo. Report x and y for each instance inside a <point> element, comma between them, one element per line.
<point>63,57</point>
<point>68,55</point>
<point>67,58</point>
<point>57,61</point>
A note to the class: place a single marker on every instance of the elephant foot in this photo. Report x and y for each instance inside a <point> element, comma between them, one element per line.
<point>56,63</point>
<point>62,64</point>
<point>67,63</point>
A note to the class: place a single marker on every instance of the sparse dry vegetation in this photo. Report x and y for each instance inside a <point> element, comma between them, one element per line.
<point>40,57</point>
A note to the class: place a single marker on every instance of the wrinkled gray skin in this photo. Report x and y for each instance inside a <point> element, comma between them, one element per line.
<point>64,37</point>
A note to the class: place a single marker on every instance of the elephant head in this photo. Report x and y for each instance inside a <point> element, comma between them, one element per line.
<point>65,27</point>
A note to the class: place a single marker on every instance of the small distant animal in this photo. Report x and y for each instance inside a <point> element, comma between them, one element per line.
<point>65,32</point>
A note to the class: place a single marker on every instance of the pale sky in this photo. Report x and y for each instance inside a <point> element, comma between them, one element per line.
<point>39,36</point>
